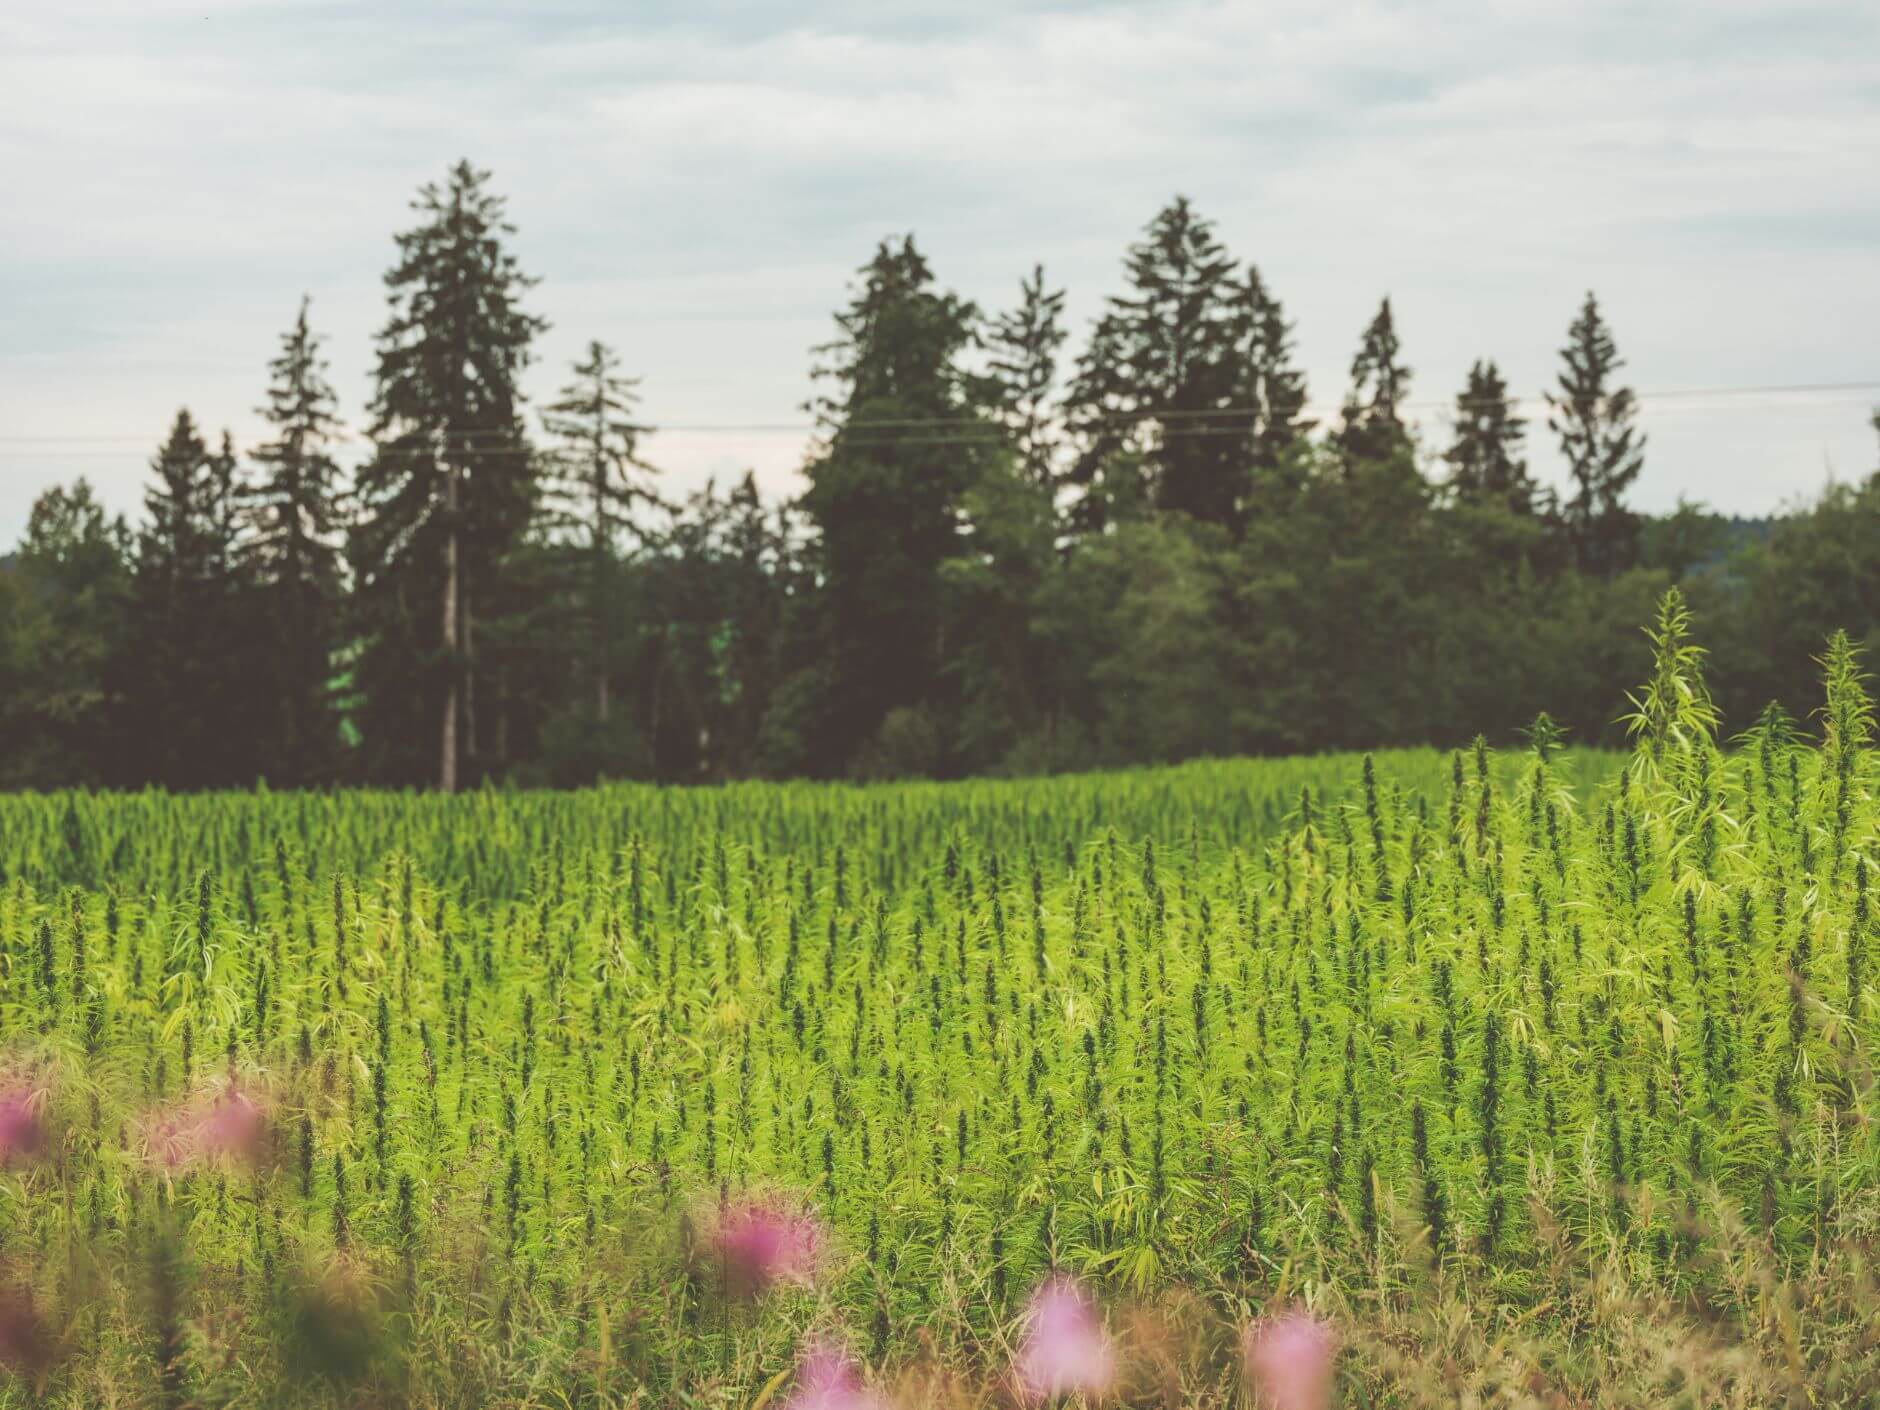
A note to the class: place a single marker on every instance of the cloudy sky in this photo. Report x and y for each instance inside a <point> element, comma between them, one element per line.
<point>694,181</point>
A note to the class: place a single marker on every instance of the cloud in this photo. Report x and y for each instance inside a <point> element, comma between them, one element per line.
<point>696,182</point>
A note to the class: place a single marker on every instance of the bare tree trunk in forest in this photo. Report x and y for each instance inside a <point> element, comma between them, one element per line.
<point>447,766</point>
<point>659,682</point>
<point>469,670</point>
<point>502,717</point>
<point>603,622</point>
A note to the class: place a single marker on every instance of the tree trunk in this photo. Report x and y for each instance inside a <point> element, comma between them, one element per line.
<point>447,765</point>
<point>603,618</point>
<point>468,614</point>
<point>502,718</point>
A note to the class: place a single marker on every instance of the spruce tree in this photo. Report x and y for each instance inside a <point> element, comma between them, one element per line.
<point>1597,426</point>
<point>451,484</point>
<point>293,553</point>
<point>1268,385</point>
<point>1160,378</point>
<point>1109,472</point>
<point>1485,461</point>
<point>1023,346</point>
<point>179,682</point>
<point>594,482</point>
<point>161,668</point>
<point>1373,428</point>
<point>884,502</point>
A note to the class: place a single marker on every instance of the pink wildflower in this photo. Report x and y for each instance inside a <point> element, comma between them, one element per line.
<point>827,1379</point>
<point>1290,1362</point>
<point>762,1245</point>
<point>230,1124</point>
<point>21,1135</point>
<point>1065,1350</point>
<point>233,1126</point>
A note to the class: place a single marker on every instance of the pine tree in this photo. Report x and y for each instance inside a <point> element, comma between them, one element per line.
<point>1485,460</point>
<point>225,493</point>
<point>1268,385</point>
<point>180,682</point>
<point>1373,423</point>
<point>1109,472</point>
<point>1157,386</point>
<point>161,667</point>
<point>594,481</point>
<point>174,545</point>
<point>1023,346</point>
<point>1596,423</point>
<point>884,501</point>
<point>292,552</point>
<point>451,484</point>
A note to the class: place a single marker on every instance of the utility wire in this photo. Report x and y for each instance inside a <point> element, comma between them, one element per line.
<point>500,441</point>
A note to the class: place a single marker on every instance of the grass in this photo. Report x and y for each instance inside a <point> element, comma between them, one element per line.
<point>1543,1075</point>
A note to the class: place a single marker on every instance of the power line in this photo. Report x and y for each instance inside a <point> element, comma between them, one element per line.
<point>477,441</point>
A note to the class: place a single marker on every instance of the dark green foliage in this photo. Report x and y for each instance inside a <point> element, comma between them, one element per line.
<point>1372,426</point>
<point>448,491</point>
<point>883,501</point>
<point>593,484</point>
<point>182,694</point>
<point>1485,461</point>
<point>1164,565</point>
<point>63,604</point>
<point>292,552</point>
<point>1595,420</point>
<point>1153,404</point>
<point>1022,347</point>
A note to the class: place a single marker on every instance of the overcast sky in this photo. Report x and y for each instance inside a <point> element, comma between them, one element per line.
<point>695,181</point>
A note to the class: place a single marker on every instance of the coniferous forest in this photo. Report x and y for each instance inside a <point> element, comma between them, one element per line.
<point>1020,549</point>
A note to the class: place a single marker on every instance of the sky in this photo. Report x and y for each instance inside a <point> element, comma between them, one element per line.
<point>695,182</point>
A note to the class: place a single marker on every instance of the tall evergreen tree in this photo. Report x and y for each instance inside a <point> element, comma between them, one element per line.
<point>1596,422</point>
<point>1109,471</point>
<point>293,554</point>
<point>1024,344</point>
<point>1269,386</point>
<point>1485,461</point>
<point>1159,380</point>
<point>1373,426</point>
<point>180,681</point>
<point>884,500</point>
<point>175,546</point>
<point>451,484</point>
<point>593,483</point>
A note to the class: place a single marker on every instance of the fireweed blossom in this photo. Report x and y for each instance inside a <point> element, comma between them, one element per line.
<point>826,1379</point>
<point>233,1126</point>
<point>21,1134</point>
<point>226,1125</point>
<point>1065,1350</point>
<point>1289,1361</point>
<point>762,1245</point>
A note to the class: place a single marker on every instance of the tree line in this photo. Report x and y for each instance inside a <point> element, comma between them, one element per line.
<point>1006,558</point>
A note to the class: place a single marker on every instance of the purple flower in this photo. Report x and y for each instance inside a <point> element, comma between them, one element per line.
<point>1065,1350</point>
<point>762,1245</point>
<point>21,1135</point>
<point>826,1379</point>
<point>229,1124</point>
<point>1289,1359</point>
<point>233,1126</point>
